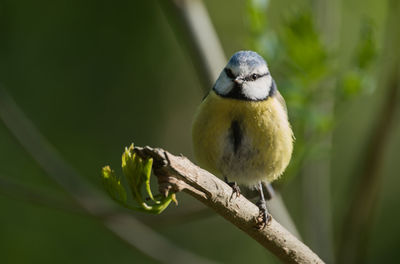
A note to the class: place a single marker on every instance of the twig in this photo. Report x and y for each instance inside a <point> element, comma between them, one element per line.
<point>125,226</point>
<point>177,173</point>
<point>359,219</point>
<point>191,18</point>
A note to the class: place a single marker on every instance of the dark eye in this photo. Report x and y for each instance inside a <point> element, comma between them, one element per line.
<point>229,73</point>
<point>254,76</point>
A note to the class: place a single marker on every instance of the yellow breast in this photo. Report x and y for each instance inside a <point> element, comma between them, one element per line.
<point>245,141</point>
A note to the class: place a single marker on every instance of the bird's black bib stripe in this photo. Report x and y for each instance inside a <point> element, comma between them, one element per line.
<point>236,93</point>
<point>236,135</point>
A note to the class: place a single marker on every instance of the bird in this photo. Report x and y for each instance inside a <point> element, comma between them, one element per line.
<point>240,131</point>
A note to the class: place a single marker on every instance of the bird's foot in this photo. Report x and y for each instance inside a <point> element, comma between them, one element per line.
<point>264,218</point>
<point>235,189</point>
<point>234,186</point>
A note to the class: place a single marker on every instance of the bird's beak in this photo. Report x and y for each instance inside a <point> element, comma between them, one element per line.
<point>238,80</point>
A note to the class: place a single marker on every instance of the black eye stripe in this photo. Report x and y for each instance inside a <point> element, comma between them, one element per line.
<point>255,76</point>
<point>229,73</point>
<point>251,77</point>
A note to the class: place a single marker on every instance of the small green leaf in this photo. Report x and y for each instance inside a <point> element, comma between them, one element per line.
<point>147,173</point>
<point>137,172</point>
<point>132,169</point>
<point>113,185</point>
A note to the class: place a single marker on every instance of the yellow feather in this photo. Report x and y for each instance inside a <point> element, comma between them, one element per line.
<point>266,146</point>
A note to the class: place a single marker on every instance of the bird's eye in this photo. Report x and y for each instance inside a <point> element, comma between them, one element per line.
<point>254,76</point>
<point>229,73</point>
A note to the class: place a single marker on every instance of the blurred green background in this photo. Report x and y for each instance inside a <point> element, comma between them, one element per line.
<point>94,76</point>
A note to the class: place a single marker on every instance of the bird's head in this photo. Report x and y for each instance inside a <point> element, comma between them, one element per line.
<point>245,77</point>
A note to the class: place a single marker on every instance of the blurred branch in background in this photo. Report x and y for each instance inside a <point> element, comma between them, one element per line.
<point>177,173</point>
<point>190,19</point>
<point>31,195</point>
<point>21,192</point>
<point>358,222</point>
<point>125,226</point>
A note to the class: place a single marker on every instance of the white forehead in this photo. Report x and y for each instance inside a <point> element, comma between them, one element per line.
<point>247,62</point>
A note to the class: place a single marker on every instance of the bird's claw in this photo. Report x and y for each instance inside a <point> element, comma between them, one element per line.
<point>235,189</point>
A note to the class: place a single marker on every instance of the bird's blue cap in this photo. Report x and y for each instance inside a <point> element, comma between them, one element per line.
<point>247,57</point>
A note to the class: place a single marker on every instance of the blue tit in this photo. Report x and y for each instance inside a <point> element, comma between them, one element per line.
<point>241,130</point>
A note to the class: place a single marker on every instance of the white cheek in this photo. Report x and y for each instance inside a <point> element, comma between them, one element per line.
<point>259,89</point>
<point>223,85</point>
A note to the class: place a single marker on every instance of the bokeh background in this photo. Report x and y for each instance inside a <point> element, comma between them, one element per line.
<point>94,76</point>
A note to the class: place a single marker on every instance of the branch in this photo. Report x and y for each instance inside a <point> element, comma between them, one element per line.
<point>179,174</point>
